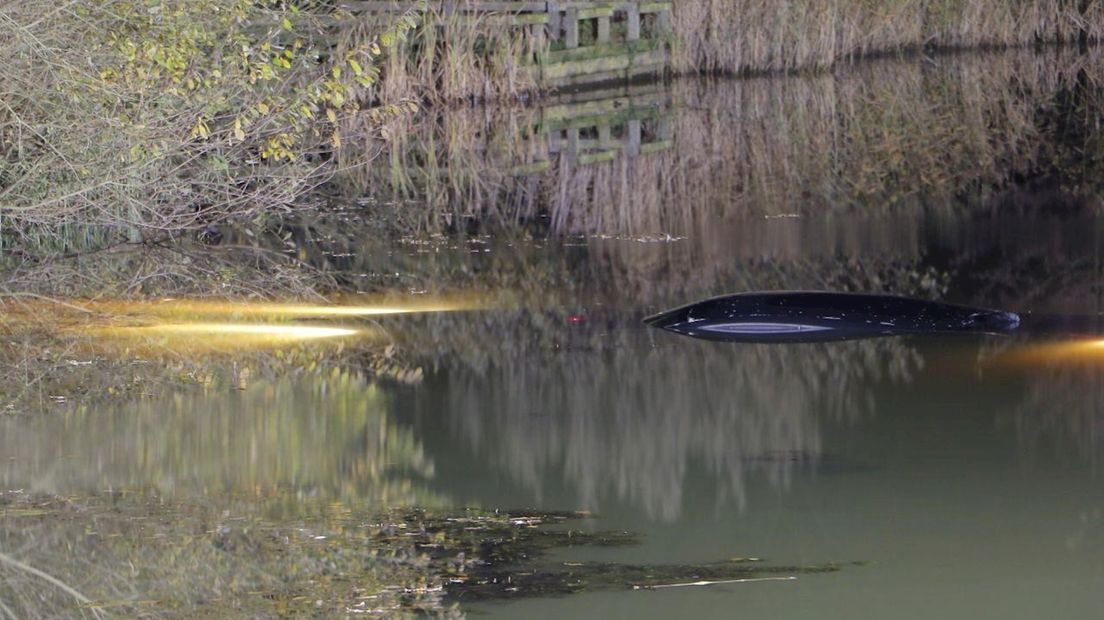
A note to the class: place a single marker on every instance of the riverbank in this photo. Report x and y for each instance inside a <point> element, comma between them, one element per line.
<point>742,36</point>
<point>472,51</point>
<point>92,161</point>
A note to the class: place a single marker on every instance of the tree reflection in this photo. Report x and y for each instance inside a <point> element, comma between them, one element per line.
<point>305,436</point>
<point>1062,411</point>
<point>631,419</point>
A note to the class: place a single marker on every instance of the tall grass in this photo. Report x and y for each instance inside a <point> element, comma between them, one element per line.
<point>453,56</point>
<point>480,57</point>
<point>736,36</point>
<point>885,134</point>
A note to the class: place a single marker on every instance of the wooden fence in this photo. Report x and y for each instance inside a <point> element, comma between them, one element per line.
<point>588,41</point>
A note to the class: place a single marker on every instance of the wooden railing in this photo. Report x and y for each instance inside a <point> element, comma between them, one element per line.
<point>595,127</point>
<point>633,52</point>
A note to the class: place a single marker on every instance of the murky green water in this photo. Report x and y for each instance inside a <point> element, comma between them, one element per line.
<point>963,473</point>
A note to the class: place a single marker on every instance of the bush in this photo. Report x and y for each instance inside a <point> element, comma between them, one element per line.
<point>153,116</point>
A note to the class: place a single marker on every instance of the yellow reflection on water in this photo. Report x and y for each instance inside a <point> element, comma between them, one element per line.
<point>185,338</point>
<point>175,326</point>
<point>353,307</point>
<point>1057,352</point>
<point>276,332</point>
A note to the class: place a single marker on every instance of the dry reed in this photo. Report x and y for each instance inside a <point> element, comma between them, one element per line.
<point>738,36</point>
<point>467,56</point>
<point>885,134</point>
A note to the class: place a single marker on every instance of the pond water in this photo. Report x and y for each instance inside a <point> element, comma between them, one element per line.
<point>947,476</point>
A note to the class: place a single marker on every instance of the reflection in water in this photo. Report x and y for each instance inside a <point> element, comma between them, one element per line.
<point>1063,409</point>
<point>1079,351</point>
<point>634,421</point>
<point>191,338</point>
<point>308,436</point>
<point>751,185</point>
<point>1060,411</point>
<point>350,306</point>
<point>886,134</point>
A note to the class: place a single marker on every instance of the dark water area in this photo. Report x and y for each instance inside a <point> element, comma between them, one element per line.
<point>961,471</point>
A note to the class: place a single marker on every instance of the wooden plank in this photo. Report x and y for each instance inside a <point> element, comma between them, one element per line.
<point>609,119</point>
<point>655,7</point>
<point>655,147</point>
<point>597,158</point>
<point>591,52</point>
<point>652,93</point>
<point>536,167</point>
<point>583,67</point>
<point>598,108</point>
<point>502,6</point>
<point>657,57</point>
<point>520,19</point>
<point>595,12</point>
<point>480,6</point>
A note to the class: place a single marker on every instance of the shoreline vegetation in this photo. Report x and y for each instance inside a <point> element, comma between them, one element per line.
<point>142,121</point>
<point>756,36</point>
<point>285,149</point>
<point>727,38</point>
<point>139,556</point>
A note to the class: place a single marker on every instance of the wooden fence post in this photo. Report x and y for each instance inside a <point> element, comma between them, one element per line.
<point>603,30</point>
<point>573,145</point>
<point>605,137</point>
<point>663,130</point>
<point>553,21</point>
<point>633,22</point>
<point>571,28</point>
<point>663,21</point>
<point>635,135</point>
<point>554,144</point>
